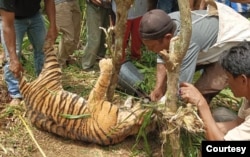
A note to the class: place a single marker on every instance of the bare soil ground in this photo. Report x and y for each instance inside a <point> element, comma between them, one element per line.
<point>16,141</point>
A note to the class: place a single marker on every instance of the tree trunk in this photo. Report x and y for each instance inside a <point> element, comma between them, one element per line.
<point>122,7</point>
<point>177,51</point>
<point>178,48</point>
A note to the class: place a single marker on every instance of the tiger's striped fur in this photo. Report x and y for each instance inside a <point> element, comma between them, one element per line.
<point>46,101</point>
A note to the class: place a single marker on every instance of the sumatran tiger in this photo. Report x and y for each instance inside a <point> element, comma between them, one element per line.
<point>46,101</point>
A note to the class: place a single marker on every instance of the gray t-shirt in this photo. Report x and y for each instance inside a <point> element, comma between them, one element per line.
<point>204,35</point>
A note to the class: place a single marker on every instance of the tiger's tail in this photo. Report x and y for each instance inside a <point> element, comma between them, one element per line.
<point>51,69</point>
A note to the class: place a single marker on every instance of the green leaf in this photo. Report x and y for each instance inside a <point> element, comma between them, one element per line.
<point>69,116</point>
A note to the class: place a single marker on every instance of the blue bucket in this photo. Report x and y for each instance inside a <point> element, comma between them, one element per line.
<point>130,78</point>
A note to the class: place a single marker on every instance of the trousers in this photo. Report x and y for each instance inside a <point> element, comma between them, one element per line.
<point>68,21</point>
<point>132,32</point>
<point>96,17</point>
<point>35,29</point>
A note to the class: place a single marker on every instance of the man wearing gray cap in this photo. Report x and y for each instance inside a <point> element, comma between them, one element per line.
<point>211,35</point>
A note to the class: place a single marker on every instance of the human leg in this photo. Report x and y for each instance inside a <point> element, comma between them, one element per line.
<point>126,39</point>
<point>68,22</point>
<point>93,18</point>
<point>223,114</point>
<point>105,24</point>
<point>36,33</point>
<point>167,6</point>
<point>11,81</point>
<point>212,81</point>
<point>77,21</point>
<point>96,17</point>
<point>136,42</point>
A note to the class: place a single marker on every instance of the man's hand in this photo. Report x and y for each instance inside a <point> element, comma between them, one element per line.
<point>51,12</point>
<point>16,68</point>
<point>156,94</point>
<point>52,34</point>
<point>190,94</point>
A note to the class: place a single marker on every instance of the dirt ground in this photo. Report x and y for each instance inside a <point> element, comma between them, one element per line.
<point>15,140</point>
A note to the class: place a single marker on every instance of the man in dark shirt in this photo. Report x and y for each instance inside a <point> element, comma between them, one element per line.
<point>20,17</point>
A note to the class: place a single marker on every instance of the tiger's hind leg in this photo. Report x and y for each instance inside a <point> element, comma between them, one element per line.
<point>47,123</point>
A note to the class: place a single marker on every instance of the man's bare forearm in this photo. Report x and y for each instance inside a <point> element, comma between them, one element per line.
<point>9,33</point>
